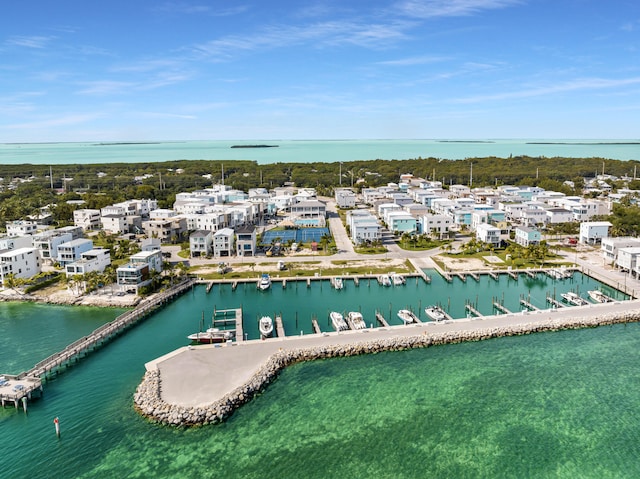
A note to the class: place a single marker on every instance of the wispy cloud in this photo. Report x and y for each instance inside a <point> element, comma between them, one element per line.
<point>200,9</point>
<point>570,86</point>
<point>63,120</point>
<point>318,34</point>
<point>33,41</point>
<point>410,61</point>
<point>450,8</point>
<point>106,87</point>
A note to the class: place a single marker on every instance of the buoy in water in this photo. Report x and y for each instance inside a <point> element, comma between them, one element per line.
<point>56,423</point>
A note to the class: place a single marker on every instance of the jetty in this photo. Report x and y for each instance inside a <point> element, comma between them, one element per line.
<point>316,327</point>
<point>528,305</point>
<point>210,286</point>
<point>494,275</point>
<point>475,276</point>
<point>513,274</point>
<point>470,308</point>
<point>280,326</point>
<point>555,303</point>
<point>18,389</point>
<point>462,277</point>
<point>531,274</point>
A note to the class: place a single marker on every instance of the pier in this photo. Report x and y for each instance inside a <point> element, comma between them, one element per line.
<point>554,302</point>
<point>314,324</point>
<point>21,387</point>
<point>513,274</point>
<point>462,276</point>
<point>470,308</point>
<point>528,305</point>
<point>494,275</point>
<point>475,276</point>
<point>280,327</point>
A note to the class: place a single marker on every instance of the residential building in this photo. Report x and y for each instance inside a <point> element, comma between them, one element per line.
<point>592,232</point>
<point>345,198</point>
<point>246,240</point>
<point>21,263</point>
<point>488,234</point>
<point>87,219</point>
<point>436,224</point>
<point>223,242</point>
<point>21,228</point>
<point>47,243</point>
<point>170,230</point>
<point>71,251</point>
<point>611,246</point>
<point>401,222</point>
<point>309,213</point>
<point>200,243</point>
<point>526,236</point>
<point>93,260</point>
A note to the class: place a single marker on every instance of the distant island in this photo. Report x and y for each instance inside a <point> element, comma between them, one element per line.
<point>255,146</point>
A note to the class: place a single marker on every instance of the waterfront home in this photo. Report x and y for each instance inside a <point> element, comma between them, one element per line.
<point>363,226</point>
<point>170,230</point>
<point>488,234</point>
<point>627,260</point>
<point>592,232</point>
<point>526,236</point>
<point>436,224</point>
<point>21,263</point>
<point>611,246</point>
<point>96,259</point>
<point>72,250</point>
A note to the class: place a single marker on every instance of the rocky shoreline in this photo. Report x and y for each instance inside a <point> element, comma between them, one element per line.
<point>149,403</point>
<point>65,298</point>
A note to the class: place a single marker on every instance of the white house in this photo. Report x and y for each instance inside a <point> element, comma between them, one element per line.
<point>401,222</point>
<point>47,243</point>
<point>611,246</point>
<point>93,260</point>
<point>21,228</point>
<point>223,242</point>
<point>627,259</point>
<point>488,234</point>
<point>137,273</point>
<point>87,219</point>
<point>436,224</point>
<point>345,198</point>
<point>21,263</point>
<point>246,240</point>
<point>558,215</point>
<point>200,243</point>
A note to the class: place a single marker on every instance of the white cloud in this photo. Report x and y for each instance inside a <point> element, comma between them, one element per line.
<point>33,41</point>
<point>449,8</point>
<point>409,61</point>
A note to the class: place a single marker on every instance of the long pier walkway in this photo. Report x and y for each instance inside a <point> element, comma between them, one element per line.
<point>17,389</point>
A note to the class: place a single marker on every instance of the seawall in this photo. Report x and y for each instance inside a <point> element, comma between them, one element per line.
<point>148,399</point>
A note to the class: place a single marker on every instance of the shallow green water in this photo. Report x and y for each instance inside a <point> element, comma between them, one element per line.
<point>546,405</point>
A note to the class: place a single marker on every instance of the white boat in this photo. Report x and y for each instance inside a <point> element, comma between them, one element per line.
<point>384,280</point>
<point>265,325</point>
<point>356,320</point>
<point>407,316</point>
<point>339,324</point>
<point>212,335</point>
<point>265,282</point>
<point>599,297</point>
<point>573,298</point>
<point>338,283</point>
<point>397,279</point>
<point>435,313</point>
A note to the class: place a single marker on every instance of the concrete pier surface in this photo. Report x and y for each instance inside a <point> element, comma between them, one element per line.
<point>196,376</point>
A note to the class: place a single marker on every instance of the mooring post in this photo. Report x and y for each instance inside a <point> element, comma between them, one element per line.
<point>56,423</point>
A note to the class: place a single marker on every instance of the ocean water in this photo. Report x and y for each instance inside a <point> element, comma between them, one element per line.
<point>307,151</point>
<point>545,405</point>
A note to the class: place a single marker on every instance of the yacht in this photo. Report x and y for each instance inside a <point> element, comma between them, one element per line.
<point>338,283</point>
<point>339,324</point>
<point>356,320</point>
<point>212,335</point>
<point>435,313</point>
<point>266,326</point>
<point>384,280</point>
<point>265,282</point>
<point>397,279</point>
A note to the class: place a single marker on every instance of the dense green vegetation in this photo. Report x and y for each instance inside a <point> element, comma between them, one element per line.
<point>100,185</point>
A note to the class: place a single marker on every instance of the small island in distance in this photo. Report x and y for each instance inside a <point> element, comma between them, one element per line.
<point>254,146</point>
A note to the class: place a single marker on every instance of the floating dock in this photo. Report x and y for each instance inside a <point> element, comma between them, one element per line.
<point>279,327</point>
<point>554,302</point>
<point>316,327</point>
<point>528,305</point>
<point>500,307</point>
<point>381,320</point>
<point>470,308</point>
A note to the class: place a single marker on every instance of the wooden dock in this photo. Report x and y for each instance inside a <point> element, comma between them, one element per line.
<point>316,327</point>
<point>500,307</point>
<point>462,276</point>
<point>528,305</point>
<point>470,308</point>
<point>31,380</point>
<point>356,281</point>
<point>531,274</point>
<point>381,320</point>
<point>494,275</point>
<point>279,327</point>
<point>475,276</point>
<point>210,286</point>
<point>513,274</point>
<point>554,302</point>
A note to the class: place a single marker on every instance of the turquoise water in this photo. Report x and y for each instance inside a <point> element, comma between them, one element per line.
<point>546,405</point>
<point>307,151</point>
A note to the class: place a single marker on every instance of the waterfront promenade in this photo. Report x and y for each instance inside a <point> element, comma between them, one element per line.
<point>195,376</point>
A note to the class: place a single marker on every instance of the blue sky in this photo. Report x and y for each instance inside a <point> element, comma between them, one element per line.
<point>77,70</point>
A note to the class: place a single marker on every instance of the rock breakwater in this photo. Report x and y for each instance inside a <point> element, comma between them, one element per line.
<point>148,400</point>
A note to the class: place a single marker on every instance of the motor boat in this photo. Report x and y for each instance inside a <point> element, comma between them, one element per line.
<point>339,324</point>
<point>599,297</point>
<point>356,320</point>
<point>338,283</point>
<point>384,280</point>
<point>397,279</point>
<point>212,335</point>
<point>265,325</point>
<point>407,316</point>
<point>573,298</point>
<point>435,313</point>
<point>265,282</point>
